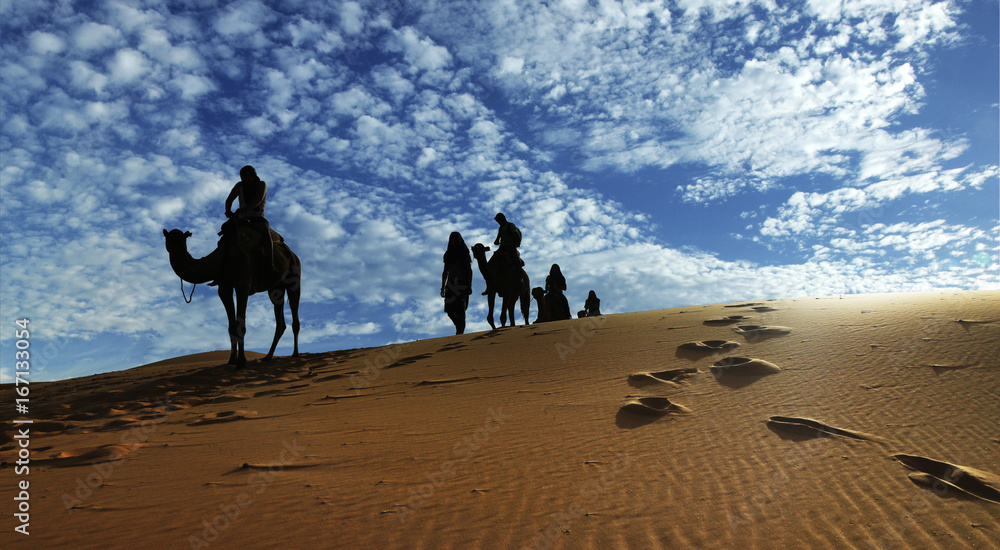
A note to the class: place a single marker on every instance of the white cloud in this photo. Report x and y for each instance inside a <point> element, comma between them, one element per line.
<point>511,65</point>
<point>44,192</point>
<point>244,18</point>
<point>392,81</point>
<point>85,77</point>
<point>169,208</point>
<point>420,51</point>
<point>313,225</point>
<point>925,23</point>
<point>260,127</point>
<point>193,87</point>
<point>130,18</point>
<point>96,36</point>
<point>427,156</point>
<point>354,102</point>
<point>352,18</point>
<point>45,43</point>
<point>331,328</point>
<point>127,65</point>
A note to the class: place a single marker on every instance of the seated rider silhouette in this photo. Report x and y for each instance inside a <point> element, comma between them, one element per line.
<point>252,194</point>
<point>509,239</point>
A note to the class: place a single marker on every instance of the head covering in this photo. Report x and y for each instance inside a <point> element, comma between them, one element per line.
<point>247,173</point>
<point>457,250</point>
<point>500,217</point>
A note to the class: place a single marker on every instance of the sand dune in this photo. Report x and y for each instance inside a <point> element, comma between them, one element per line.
<point>832,422</point>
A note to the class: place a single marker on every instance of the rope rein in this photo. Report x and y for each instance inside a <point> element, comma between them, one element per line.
<point>186,299</point>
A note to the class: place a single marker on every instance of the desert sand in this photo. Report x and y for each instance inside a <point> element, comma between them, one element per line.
<point>861,421</point>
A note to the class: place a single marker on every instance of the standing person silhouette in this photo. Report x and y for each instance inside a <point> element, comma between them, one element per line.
<point>456,280</point>
<point>252,194</point>
<point>555,285</point>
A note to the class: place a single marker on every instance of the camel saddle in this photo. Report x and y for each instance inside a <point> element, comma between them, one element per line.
<point>506,256</point>
<point>246,239</point>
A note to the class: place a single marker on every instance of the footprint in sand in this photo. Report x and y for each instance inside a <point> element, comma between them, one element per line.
<point>708,346</point>
<point>337,376</point>
<point>762,330</point>
<point>409,360</point>
<point>278,467</point>
<point>813,428</point>
<point>941,369</point>
<point>224,416</point>
<point>91,455</point>
<point>53,426</point>
<point>452,347</point>
<point>230,397</point>
<point>82,416</point>
<point>445,381</point>
<point>743,366</point>
<point>652,406</point>
<point>943,475</point>
<point>119,423</point>
<point>725,320</point>
<point>672,376</point>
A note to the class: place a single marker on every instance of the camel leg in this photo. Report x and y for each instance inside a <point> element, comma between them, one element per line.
<point>226,295</point>
<point>491,299</point>
<point>509,303</point>
<point>503,311</point>
<point>293,303</point>
<point>241,326</point>
<point>525,297</point>
<point>277,296</point>
<point>291,285</point>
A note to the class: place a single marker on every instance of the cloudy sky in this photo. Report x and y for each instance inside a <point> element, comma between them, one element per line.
<point>664,153</point>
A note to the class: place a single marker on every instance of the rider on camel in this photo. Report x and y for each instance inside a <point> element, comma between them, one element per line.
<point>252,194</point>
<point>508,239</point>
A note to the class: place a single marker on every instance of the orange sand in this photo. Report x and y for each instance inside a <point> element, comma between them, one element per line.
<point>524,437</point>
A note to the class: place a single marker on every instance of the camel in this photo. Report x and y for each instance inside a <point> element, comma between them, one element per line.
<point>510,284</point>
<point>230,269</point>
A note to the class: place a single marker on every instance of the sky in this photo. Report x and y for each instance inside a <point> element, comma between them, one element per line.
<point>663,153</point>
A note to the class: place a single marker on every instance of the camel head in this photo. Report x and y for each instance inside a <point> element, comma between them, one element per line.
<point>479,251</point>
<point>537,293</point>
<point>176,240</point>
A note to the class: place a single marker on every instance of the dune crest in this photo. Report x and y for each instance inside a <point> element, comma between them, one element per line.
<point>537,437</point>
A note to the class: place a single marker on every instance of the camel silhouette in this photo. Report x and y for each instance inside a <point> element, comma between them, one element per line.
<point>506,280</point>
<point>236,272</point>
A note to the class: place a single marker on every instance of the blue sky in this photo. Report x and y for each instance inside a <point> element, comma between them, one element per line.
<point>664,153</point>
